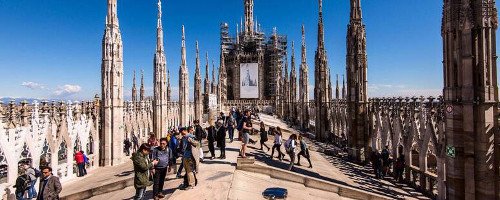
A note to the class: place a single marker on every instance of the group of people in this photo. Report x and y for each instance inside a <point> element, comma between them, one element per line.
<point>156,158</point>
<point>290,144</point>
<point>381,164</point>
<point>49,187</point>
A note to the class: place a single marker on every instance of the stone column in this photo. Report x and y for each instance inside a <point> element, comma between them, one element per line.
<point>471,99</point>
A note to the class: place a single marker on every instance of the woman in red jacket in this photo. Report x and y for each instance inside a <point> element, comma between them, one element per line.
<point>80,161</point>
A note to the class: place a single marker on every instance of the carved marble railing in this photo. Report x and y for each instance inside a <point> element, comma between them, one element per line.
<point>413,125</point>
<point>46,134</point>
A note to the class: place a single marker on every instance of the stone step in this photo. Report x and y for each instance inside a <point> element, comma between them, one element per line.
<point>245,161</point>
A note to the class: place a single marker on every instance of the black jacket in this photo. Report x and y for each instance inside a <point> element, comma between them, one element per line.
<point>211,134</point>
<point>221,137</point>
<point>198,132</point>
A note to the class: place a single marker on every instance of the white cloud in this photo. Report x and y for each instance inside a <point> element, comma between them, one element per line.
<point>33,85</point>
<point>67,90</point>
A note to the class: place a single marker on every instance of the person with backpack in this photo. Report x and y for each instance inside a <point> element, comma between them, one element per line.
<point>33,175</point>
<point>277,144</point>
<point>290,145</point>
<point>304,151</point>
<point>263,136</point>
<point>187,144</point>
<point>23,183</point>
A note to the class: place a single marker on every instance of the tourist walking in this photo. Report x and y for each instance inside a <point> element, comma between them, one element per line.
<point>152,140</point>
<point>33,175</point>
<point>22,184</point>
<point>173,143</point>
<point>163,155</point>
<point>304,151</point>
<point>127,145</point>
<point>246,128</point>
<point>376,163</point>
<point>231,123</point>
<point>399,168</point>
<point>142,165</point>
<point>200,134</point>
<point>50,186</point>
<point>135,143</point>
<point>80,162</point>
<point>385,161</point>
<point>290,145</point>
<point>211,133</point>
<point>277,144</point>
<point>195,152</point>
<point>221,139</point>
<point>188,142</point>
<point>263,137</point>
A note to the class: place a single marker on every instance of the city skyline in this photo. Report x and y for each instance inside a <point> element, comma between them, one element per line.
<point>64,62</point>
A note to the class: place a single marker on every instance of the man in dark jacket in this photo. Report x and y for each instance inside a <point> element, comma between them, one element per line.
<point>199,135</point>
<point>50,186</point>
<point>211,135</point>
<point>221,139</point>
<point>142,165</point>
<point>163,155</point>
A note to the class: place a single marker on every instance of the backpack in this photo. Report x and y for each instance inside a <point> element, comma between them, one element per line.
<point>288,145</point>
<point>240,124</point>
<point>23,183</point>
<point>38,173</point>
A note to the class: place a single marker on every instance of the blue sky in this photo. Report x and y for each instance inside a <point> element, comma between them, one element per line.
<point>52,48</point>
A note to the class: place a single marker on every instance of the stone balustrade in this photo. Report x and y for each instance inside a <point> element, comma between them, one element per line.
<point>48,134</point>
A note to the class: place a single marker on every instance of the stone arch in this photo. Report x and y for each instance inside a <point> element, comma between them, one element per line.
<point>25,156</point>
<point>62,152</point>
<point>46,155</point>
<point>77,145</point>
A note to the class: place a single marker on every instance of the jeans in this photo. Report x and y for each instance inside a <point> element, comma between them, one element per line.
<point>231,134</point>
<point>139,193</point>
<point>81,168</point>
<point>159,180</point>
<point>31,190</point>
